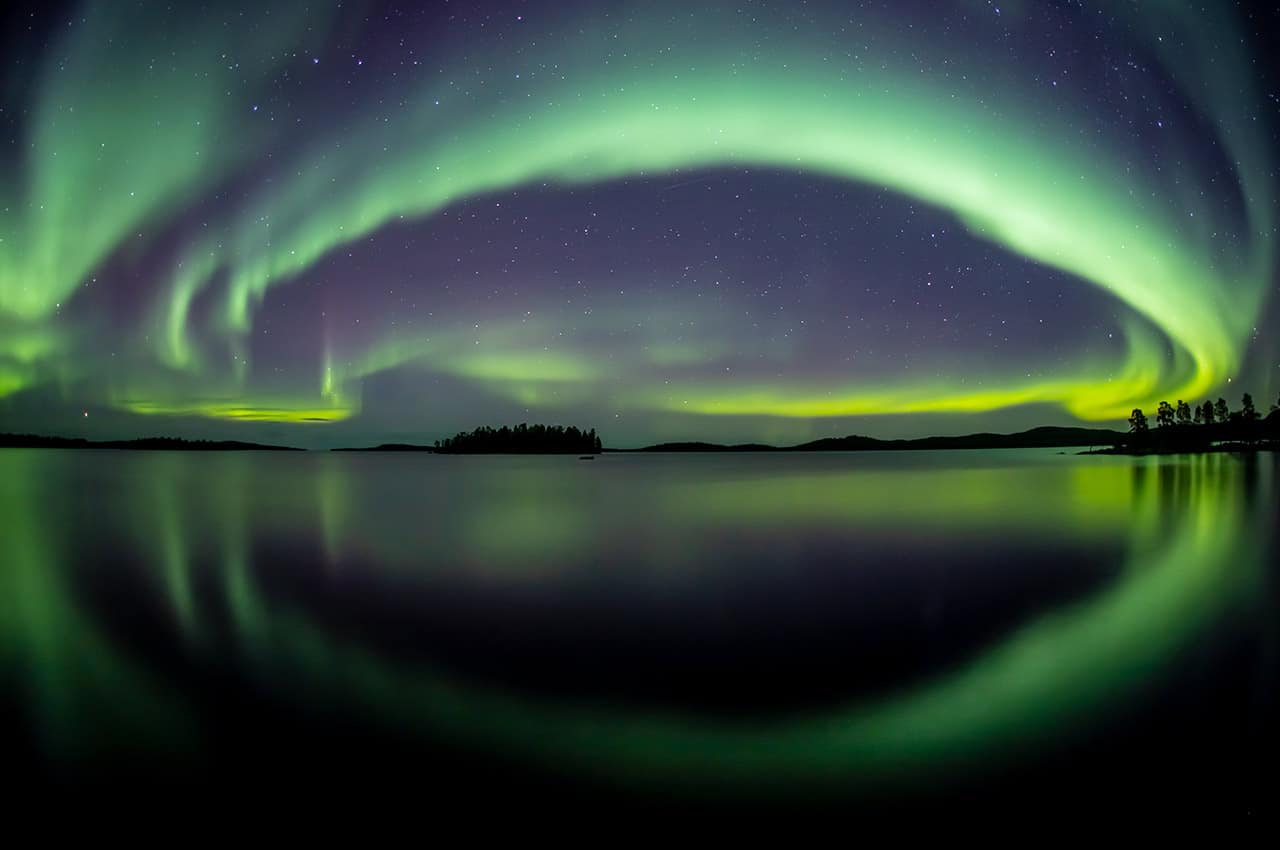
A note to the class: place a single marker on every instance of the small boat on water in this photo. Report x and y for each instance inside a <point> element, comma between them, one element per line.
<point>587,457</point>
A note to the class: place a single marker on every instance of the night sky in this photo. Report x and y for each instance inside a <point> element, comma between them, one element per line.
<point>367,222</point>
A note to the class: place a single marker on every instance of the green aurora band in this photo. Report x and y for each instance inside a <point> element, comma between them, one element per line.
<point>1016,178</point>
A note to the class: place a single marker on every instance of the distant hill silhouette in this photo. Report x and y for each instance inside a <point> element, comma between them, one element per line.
<point>1233,435</point>
<point>1043,437</point>
<point>34,441</point>
<point>704,447</point>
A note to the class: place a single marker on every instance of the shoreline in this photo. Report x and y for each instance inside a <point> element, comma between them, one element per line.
<point>1261,436</point>
<point>1227,448</point>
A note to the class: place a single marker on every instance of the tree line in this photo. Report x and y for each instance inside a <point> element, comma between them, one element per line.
<point>522,439</point>
<point>1202,423</point>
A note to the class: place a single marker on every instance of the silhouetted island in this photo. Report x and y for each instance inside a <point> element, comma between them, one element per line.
<point>520,439</point>
<point>34,441</point>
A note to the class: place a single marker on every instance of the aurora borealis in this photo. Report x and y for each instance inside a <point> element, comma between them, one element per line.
<point>321,223</point>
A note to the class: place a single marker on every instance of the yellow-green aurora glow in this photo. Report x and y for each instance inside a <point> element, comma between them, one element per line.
<point>151,177</point>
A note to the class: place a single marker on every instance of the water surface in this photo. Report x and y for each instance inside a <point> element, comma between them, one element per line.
<point>916,627</point>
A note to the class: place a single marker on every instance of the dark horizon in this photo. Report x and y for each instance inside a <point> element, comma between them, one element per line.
<point>1042,436</point>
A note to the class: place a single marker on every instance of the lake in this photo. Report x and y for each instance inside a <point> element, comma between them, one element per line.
<point>848,629</point>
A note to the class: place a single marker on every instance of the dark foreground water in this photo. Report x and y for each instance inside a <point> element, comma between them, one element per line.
<point>1013,628</point>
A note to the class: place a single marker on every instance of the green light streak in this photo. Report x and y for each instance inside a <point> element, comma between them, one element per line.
<point>58,658</point>
<point>246,410</point>
<point>1139,376</point>
<point>525,366</point>
<point>126,130</point>
<point>125,138</point>
<point>1017,185</point>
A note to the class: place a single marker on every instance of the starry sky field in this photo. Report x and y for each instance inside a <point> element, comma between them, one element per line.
<point>330,224</point>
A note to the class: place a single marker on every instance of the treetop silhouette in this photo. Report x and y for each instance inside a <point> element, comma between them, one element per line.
<point>522,439</point>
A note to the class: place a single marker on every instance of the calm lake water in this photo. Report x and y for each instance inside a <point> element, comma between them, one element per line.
<point>802,629</point>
